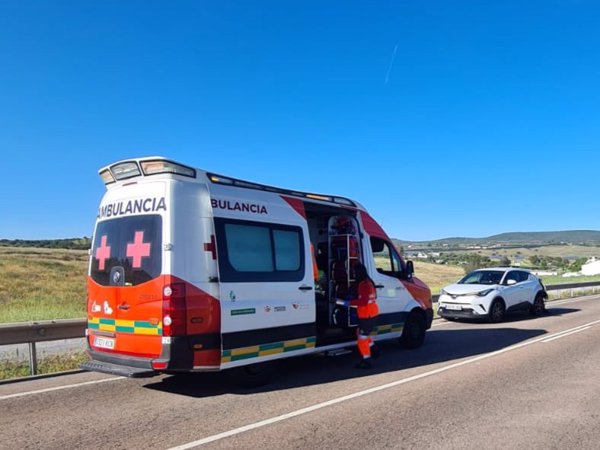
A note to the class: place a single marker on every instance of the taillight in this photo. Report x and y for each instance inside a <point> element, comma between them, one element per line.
<point>174,310</point>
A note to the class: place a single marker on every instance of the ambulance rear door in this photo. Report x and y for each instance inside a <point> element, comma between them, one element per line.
<point>125,283</point>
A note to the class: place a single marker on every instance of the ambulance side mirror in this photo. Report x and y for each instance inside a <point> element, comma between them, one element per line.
<point>410,270</point>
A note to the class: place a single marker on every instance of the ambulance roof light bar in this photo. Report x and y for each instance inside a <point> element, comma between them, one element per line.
<point>124,170</point>
<point>107,177</point>
<point>218,179</point>
<point>129,169</point>
<point>154,167</point>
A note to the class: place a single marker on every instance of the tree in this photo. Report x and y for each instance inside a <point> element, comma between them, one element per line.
<point>474,261</point>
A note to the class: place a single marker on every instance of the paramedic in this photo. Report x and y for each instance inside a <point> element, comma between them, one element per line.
<point>367,310</point>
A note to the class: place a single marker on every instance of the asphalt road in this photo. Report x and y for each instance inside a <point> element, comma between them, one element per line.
<point>526,383</point>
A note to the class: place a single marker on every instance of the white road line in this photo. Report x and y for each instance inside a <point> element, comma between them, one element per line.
<point>566,334</point>
<point>569,331</point>
<point>372,390</point>
<point>57,388</point>
<point>571,300</point>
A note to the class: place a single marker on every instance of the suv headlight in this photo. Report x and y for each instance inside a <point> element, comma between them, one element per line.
<point>485,292</point>
<point>443,292</point>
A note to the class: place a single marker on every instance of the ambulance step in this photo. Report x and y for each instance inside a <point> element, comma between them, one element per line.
<point>115,369</point>
<point>338,352</point>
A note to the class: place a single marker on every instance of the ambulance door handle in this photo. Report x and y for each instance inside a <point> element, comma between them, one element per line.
<point>123,306</point>
<point>305,288</point>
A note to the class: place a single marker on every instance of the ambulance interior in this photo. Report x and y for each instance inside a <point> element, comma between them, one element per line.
<point>336,244</point>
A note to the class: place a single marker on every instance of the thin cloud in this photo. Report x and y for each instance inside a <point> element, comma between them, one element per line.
<point>387,75</point>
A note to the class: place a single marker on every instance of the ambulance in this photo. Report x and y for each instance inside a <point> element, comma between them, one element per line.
<point>193,271</point>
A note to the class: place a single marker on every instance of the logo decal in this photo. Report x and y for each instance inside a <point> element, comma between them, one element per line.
<point>241,312</point>
<point>116,277</point>
<point>142,205</point>
<point>107,309</point>
<point>254,208</point>
<point>298,306</point>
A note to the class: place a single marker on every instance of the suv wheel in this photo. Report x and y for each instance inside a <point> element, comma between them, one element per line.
<point>497,310</point>
<point>539,307</point>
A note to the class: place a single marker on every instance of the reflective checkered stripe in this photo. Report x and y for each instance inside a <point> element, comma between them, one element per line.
<point>385,329</point>
<point>267,349</point>
<point>125,326</point>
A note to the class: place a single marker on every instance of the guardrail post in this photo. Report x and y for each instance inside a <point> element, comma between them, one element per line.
<point>32,359</point>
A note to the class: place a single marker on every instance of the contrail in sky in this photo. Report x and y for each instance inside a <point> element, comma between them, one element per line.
<point>387,75</point>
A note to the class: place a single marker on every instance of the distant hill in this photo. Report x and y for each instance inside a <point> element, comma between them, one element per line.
<point>534,237</point>
<point>82,243</point>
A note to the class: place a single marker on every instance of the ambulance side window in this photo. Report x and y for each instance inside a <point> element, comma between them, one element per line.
<point>387,260</point>
<point>257,251</point>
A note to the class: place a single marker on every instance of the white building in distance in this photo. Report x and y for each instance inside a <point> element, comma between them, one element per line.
<point>592,267</point>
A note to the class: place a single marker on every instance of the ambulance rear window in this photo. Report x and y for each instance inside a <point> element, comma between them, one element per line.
<point>127,250</point>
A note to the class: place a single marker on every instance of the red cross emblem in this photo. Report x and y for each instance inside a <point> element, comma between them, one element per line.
<point>211,247</point>
<point>102,253</point>
<point>138,249</point>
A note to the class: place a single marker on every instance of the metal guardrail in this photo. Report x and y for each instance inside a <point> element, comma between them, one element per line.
<point>32,332</point>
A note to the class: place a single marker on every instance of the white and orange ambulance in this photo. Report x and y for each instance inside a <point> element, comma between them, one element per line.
<point>194,271</point>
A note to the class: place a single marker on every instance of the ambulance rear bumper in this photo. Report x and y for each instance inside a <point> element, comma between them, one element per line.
<point>116,365</point>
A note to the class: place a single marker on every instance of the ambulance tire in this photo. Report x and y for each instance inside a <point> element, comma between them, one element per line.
<point>252,375</point>
<point>413,333</point>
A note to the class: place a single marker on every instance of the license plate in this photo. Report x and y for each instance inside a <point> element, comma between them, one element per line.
<point>104,342</point>
<point>454,307</point>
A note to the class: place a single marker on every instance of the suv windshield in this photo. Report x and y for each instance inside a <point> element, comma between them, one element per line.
<point>483,277</point>
<point>127,251</point>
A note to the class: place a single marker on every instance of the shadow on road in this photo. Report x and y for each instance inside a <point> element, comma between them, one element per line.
<point>441,345</point>
<point>560,311</point>
<point>522,316</point>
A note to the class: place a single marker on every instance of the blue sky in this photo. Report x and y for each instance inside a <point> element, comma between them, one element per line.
<point>442,118</point>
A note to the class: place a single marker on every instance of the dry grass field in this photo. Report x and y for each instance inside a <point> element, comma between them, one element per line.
<point>563,251</point>
<point>45,284</point>
<point>437,276</point>
<point>41,284</point>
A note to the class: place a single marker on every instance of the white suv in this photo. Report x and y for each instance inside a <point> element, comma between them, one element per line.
<point>490,293</point>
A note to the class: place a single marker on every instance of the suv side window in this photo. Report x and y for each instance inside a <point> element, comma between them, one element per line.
<point>523,276</point>
<point>512,275</point>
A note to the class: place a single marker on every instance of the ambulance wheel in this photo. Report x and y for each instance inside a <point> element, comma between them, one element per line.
<point>413,333</point>
<point>252,375</point>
